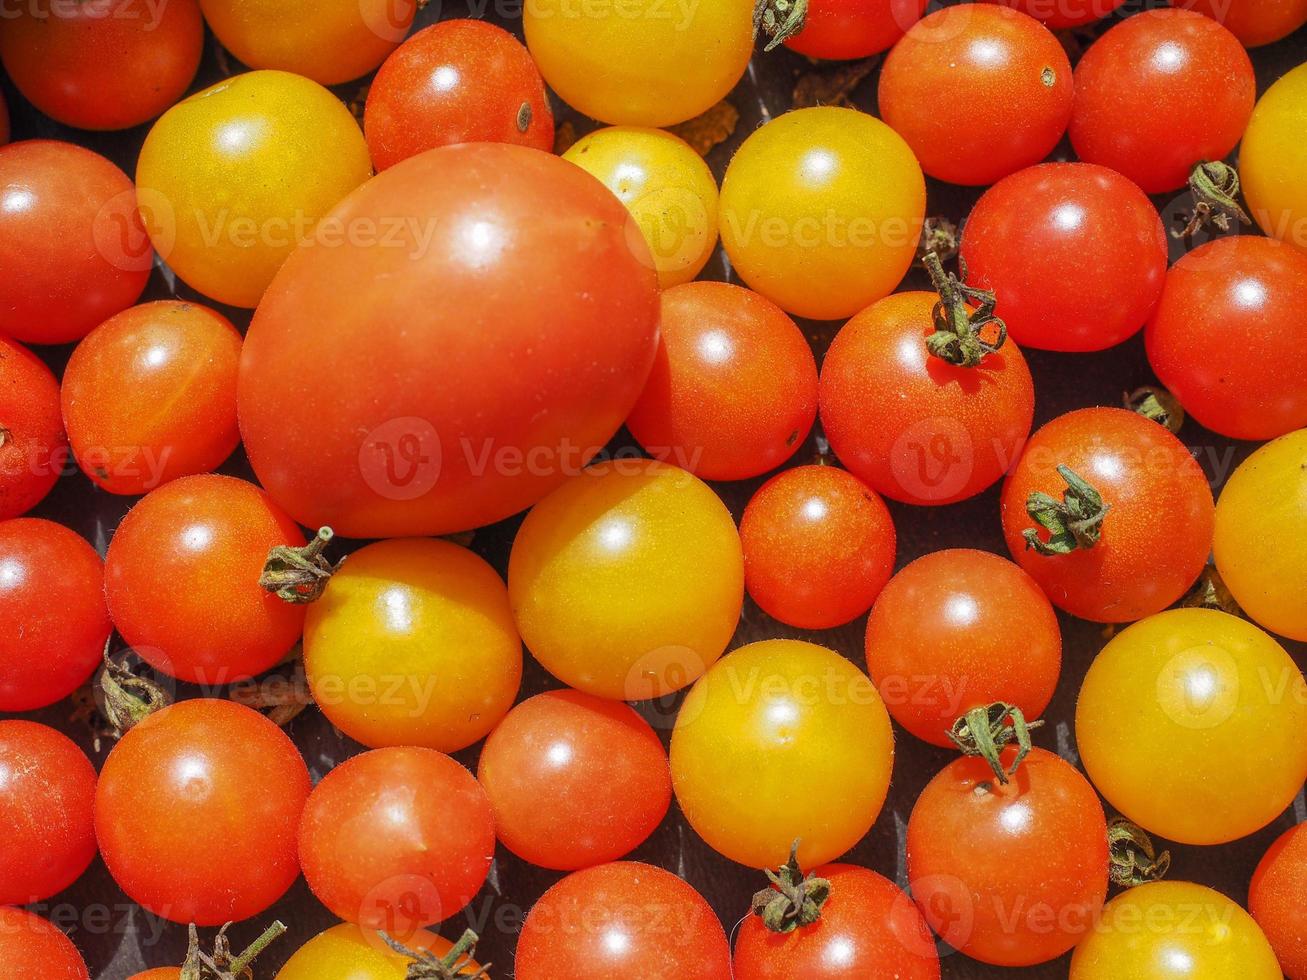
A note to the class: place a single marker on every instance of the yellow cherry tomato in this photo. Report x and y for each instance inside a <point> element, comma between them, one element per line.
<point>640,62</point>
<point>1174,930</point>
<point>781,741</point>
<point>413,643</point>
<point>329,41</point>
<point>627,580</point>
<point>1191,724</point>
<point>1273,160</point>
<point>346,952</point>
<point>666,186</point>
<point>821,211</point>
<point>231,179</point>
<point>1260,542</point>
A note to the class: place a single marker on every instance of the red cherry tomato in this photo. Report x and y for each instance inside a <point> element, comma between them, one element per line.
<point>53,621</point>
<point>956,630</point>
<point>913,426</point>
<point>845,29</point>
<point>182,580</point>
<point>1161,91</point>
<point>1254,22</point>
<point>32,441</point>
<point>1075,253</point>
<point>46,809</point>
<point>598,763</point>
<point>110,64</point>
<point>619,921</point>
<point>457,81</point>
<point>57,287</point>
<point>196,812</point>
<point>819,546</point>
<point>1157,531</point>
<point>467,403</point>
<point>1226,336</point>
<point>33,949</point>
<point>150,395</point>
<point>1010,874</point>
<point>869,929</point>
<point>396,839</point>
<point>1059,14</point>
<point>1275,900</point>
<point>733,392</point>
<point>1005,80</point>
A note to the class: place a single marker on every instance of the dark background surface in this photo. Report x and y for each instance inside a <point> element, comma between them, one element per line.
<point>117,938</point>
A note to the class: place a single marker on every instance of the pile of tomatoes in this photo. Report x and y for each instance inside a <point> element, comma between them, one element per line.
<point>866,624</point>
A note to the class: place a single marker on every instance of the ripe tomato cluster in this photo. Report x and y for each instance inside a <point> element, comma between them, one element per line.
<point>510,503</point>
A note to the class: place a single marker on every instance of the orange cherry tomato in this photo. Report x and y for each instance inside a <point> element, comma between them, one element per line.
<point>33,447</point>
<point>1253,22</point>
<point>32,948</point>
<point>1275,900</point>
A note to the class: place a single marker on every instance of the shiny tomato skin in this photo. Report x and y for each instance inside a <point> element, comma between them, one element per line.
<point>1059,14</point>
<point>1254,22</point>
<point>436,432</point>
<point>819,546</point>
<point>47,812</point>
<point>845,29</point>
<point>1003,69</point>
<point>1157,534</point>
<point>956,630</point>
<point>182,580</point>
<point>109,64</point>
<point>196,812</point>
<point>350,952</point>
<point>598,763</point>
<point>1012,874</point>
<point>1161,91</point>
<point>1075,253</point>
<point>733,391</point>
<point>34,447</point>
<point>397,838</point>
<point>622,920</point>
<point>911,425</point>
<point>53,620</point>
<point>457,81</point>
<point>869,929</point>
<point>31,948</point>
<point>1273,160</point>
<point>57,288</point>
<point>150,395</point>
<point>1275,900</point>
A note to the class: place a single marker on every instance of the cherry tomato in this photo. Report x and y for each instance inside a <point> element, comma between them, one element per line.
<point>329,41</point>
<point>46,810</point>
<point>457,81</point>
<point>1010,874</point>
<point>818,547</point>
<point>1204,685</point>
<point>57,287</point>
<point>619,921</point>
<point>347,951</point>
<point>397,838</point>
<point>1275,900</point>
<point>150,395</point>
<point>627,581</point>
<point>1059,14</point>
<point>1273,160</point>
<point>1005,78</point>
<point>957,630</point>
<point>1075,253</point>
<point>1254,22</point>
<point>667,187</point>
<point>869,929</point>
<point>182,580</point>
<point>231,179</point>
<point>1260,543</point>
<point>413,643</point>
<point>104,65</point>
<point>643,63</point>
<point>847,29</point>
<point>196,812</point>
<point>821,211</point>
<point>1174,930</point>
<point>782,741</point>
<point>1157,531</point>
<point>912,425</point>
<point>733,391</point>
<point>33,949</point>
<point>1161,91</point>
<point>467,403</point>
<point>53,622</point>
<point>33,446</point>
<point>598,763</point>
